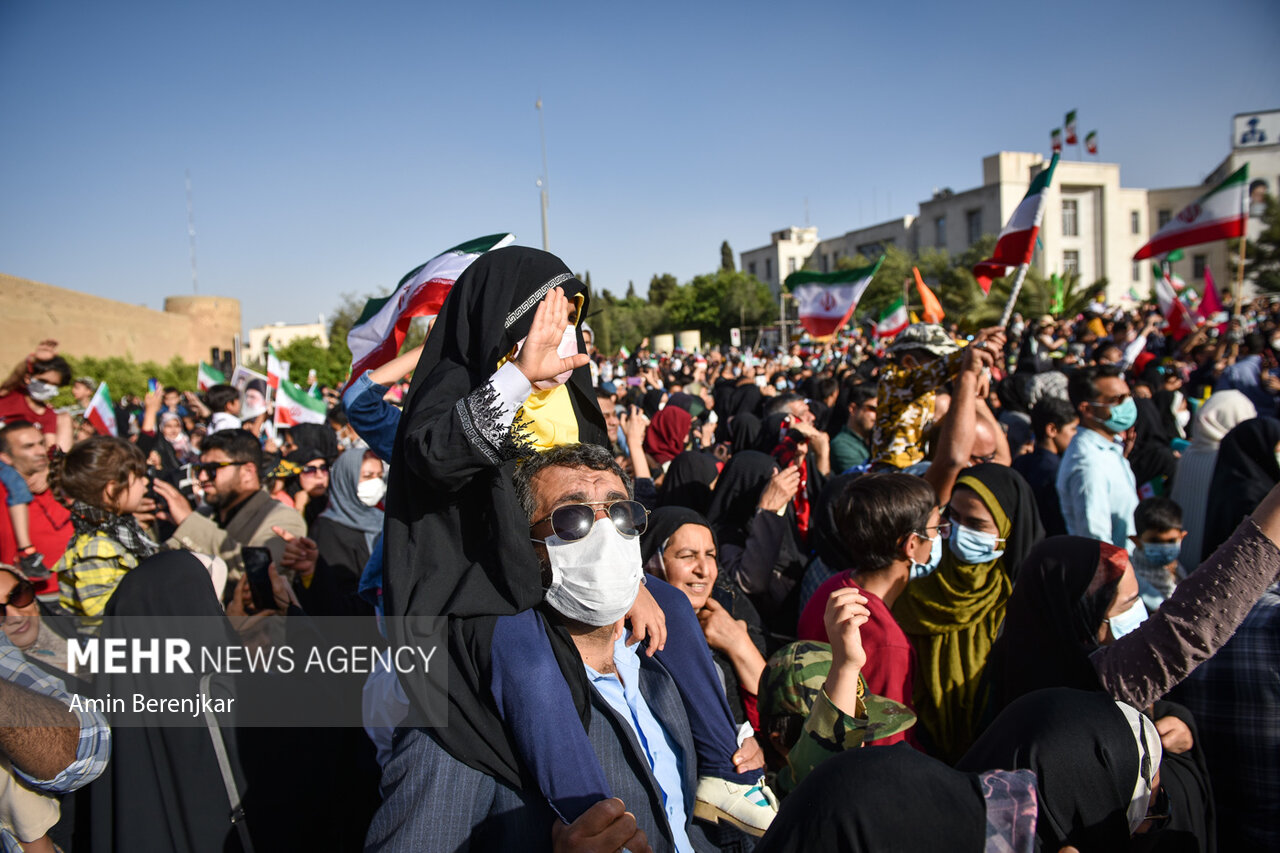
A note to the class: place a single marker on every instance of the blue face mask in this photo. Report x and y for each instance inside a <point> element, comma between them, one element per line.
<point>1123,416</point>
<point>973,547</point>
<point>1128,621</point>
<point>919,570</point>
<point>1160,553</point>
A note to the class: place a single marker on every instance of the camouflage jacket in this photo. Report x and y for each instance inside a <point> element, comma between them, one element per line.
<point>904,408</point>
<point>827,731</point>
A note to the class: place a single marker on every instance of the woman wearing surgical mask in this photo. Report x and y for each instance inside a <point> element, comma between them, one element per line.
<point>1075,619</point>
<point>345,532</point>
<point>952,616</point>
<point>28,392</point>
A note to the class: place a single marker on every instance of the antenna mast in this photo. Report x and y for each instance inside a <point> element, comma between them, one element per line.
<point>545,179</point>
<point>191,233</point>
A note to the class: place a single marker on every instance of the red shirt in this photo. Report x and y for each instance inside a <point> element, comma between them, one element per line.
<point>891,660</point>
<point>50,524</point>
<point>16,406</point>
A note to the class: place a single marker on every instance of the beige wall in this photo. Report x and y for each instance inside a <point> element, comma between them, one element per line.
<point>87,325</point>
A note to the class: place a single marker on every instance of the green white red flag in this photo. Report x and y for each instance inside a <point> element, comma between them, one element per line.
<point>827,300</point>
<point>1072,139</point>
<point>295,406</point>
<point>207,377</point>
<point>275,369</point>
<point>1091,142</point>
<point>1017,239</point>
<point>1175,313</point>
<point>377,336</point>
<point>100,412</point>
<point>1055,140</point>
<point>1219,214</point>
<point>892,320</point>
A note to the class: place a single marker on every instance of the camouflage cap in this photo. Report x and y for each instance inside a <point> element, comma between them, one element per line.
<point>794,676</point>
<point>929,337</point>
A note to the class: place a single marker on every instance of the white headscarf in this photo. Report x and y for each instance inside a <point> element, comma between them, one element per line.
<point>1218,416</point>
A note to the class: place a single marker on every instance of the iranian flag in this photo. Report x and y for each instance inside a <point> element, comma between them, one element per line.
<point>100,412</point>
<point>1018,239</point>
<point>275,368</point>
<point>1072,139</point>
<point>1175,313</point>
<point>1091,142</point>
<point>207,377</point>
<point>827,300</point>
<point>1217,215</point>
<point>376,337</point>
<point>892,320</point>
<point>295,406</point>
<point>1055,140</point>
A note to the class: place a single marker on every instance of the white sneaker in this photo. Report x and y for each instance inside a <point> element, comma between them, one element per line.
<point>751,808</point>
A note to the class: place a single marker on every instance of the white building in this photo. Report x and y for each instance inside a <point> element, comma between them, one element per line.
<point>1092,225</point>
<point>280,334</point>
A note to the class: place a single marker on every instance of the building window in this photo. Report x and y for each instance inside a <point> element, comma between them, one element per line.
<point>768,269</point>
<point>751,267</point>
<point>826,262</point>
<point>1197,266</point>
<point>1135,222</point>
<point>1137,269</point>
<point>1070,218</point>
<point>1162,218</point>
<point>940,223</point>
<point>791,265</point>
<point>973,224</point>
<point>1070,262</point>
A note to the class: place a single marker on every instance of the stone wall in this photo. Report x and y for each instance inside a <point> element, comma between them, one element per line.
<point>84,325</point>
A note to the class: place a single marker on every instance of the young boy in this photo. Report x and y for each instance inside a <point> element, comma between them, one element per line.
<point>1155,552</point>
<point>224,403</point>
<point>30,561</point>
<point>924,360</point>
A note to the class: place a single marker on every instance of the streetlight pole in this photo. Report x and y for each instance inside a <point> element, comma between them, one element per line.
<point>545,179</point>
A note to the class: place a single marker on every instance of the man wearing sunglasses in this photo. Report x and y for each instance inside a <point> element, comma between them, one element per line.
<point>239,511</point>
<point>585,528</point>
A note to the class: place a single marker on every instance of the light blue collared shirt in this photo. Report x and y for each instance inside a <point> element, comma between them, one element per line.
<point>663,753</point>
<point>1097,490</point>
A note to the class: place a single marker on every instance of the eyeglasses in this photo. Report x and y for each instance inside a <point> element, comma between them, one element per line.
<point>981,460</point>
<point>211,469</point>
<point>22,595</point>
<point>943,528</point>
<point>572,522</point>
<point>322,468</point>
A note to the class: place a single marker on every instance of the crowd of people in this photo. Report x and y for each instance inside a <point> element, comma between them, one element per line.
<point>1005,589</point>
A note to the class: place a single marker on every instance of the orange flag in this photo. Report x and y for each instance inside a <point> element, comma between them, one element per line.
<point>930,306</point>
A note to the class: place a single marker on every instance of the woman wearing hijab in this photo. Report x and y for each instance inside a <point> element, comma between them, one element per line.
<point>1248,465</point>
<point>1221,413</point>
<point>744,432</point>
<point>458,558</point>
<point>345,532</point>
<point>1095,762</point>
<point>667,434</point>
<point>1152,458</point>
<point>754,523</point>
<point>163,788</point>
<point>1076,620</point>
<point>953,615</point>
<point>689,481</point>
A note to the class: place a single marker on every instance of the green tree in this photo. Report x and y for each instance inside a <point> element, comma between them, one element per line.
<point>661,287</point>
<point>726,257</point>
<point>1262,257</point>
<point>124,376</point>
<point>306,354</point>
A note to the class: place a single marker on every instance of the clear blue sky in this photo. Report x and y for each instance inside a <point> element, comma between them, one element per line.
<point>333,146</point>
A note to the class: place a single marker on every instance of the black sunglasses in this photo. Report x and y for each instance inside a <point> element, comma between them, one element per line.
<point>211,469</point>
<point>572,522</point>
<point>22,595</point>
<point>322,468</point>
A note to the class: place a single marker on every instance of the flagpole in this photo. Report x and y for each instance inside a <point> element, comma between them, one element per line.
<point>1013,294</point>
<point>1239,283</point>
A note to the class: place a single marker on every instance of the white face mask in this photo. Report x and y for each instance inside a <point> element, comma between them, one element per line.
<point>371,492</point>
<point>568,347</point>
<point>594,580</point>
<point>41,391</point>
